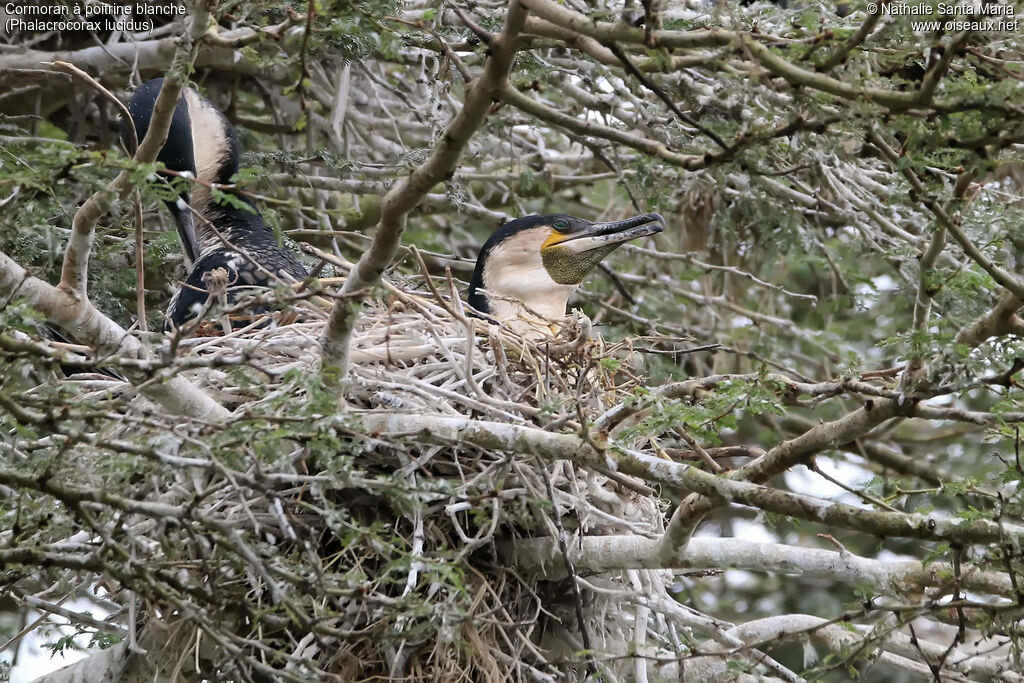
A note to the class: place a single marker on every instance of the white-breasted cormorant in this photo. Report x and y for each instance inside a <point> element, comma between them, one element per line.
<point>530,266</point>
<point>226,233</point>
<point>526,271</point>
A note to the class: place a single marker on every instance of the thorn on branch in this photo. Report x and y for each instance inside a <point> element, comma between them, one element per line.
<point>834,541</point>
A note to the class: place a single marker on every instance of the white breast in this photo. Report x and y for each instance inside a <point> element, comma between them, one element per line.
<point>519,285</point>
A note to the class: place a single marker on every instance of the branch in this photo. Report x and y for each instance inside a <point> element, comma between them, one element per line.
<point>402,198</point>
<point>244,35</point>
<point>787,387</point>
<point>839,56</point>
<point>75,270</point>
<point>691,259</point>
<point>152,55</point>
<point>931,79</point>
<point>999,321</point>
<point>844,643</point>
<point>117,663</point>
<point>779,459</point>
<point>663,96</point>
<point>86,323</point>
<point>1005,278</point>
<point>601,54</point>
<point>926,290</point>
<point>716,490</point>
<point>655,148</point>
<point>605,32</point>
<point>513,97</point>
<point>608,553</point>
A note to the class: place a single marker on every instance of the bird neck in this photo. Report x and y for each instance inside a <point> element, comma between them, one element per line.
<point>538,316</point>
<point>214,144</point>
<point>241,225</point>
<point>548,308</point>
<point>511,285</point>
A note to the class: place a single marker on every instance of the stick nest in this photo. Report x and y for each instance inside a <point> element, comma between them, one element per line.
<point>302,547</point>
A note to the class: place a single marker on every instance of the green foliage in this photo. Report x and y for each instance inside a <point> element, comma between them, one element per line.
<point>706,419</point>
<point>797,253</point>
<point>63,643</point>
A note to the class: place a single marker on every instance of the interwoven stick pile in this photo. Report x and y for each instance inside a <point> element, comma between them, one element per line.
<point>293,542</point>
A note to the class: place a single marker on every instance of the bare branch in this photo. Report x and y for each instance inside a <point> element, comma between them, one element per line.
<point>79,317</point>
<point>401,199</point>
<point>607,553</point>
<point>713,490</point>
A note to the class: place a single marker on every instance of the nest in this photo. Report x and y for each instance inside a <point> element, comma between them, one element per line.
<point>308,547</point>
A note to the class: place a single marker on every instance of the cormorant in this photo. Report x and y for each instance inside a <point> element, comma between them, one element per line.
<point>526,271</point>
<point>530,266</point>
<point>225,233</point>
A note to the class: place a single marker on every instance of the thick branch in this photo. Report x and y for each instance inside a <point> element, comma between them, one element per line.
<point>716,490</point>
<point>606,32</point>
<point>778,460</point>
<point>607,553</point>
<point>87,324</point>
<point>117,664</point>
<point>148,56</point>
<point>401,199</point>
<point>999,321</point>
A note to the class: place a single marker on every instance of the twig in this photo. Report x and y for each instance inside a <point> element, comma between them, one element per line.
<point>581,621</point>
<point>839,55</point>
<point>402,198</point>
<point>653,87</point>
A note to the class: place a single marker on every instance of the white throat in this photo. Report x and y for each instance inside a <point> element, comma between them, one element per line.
<point>209,145</point>
<point>519,287</point>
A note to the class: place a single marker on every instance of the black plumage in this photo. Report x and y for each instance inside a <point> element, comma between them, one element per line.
<point>217,232</point>
<point>176,154</point>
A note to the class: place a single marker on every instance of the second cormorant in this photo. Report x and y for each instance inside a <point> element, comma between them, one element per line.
<point>225,239</point>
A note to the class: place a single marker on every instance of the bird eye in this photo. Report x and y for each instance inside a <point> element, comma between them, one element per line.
<point>559,225</point>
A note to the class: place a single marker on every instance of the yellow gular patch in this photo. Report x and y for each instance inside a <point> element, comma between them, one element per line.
<point>554,238</point>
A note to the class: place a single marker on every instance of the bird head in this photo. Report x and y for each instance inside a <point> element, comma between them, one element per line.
<point>200,141</point>
<point>530,266</point>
